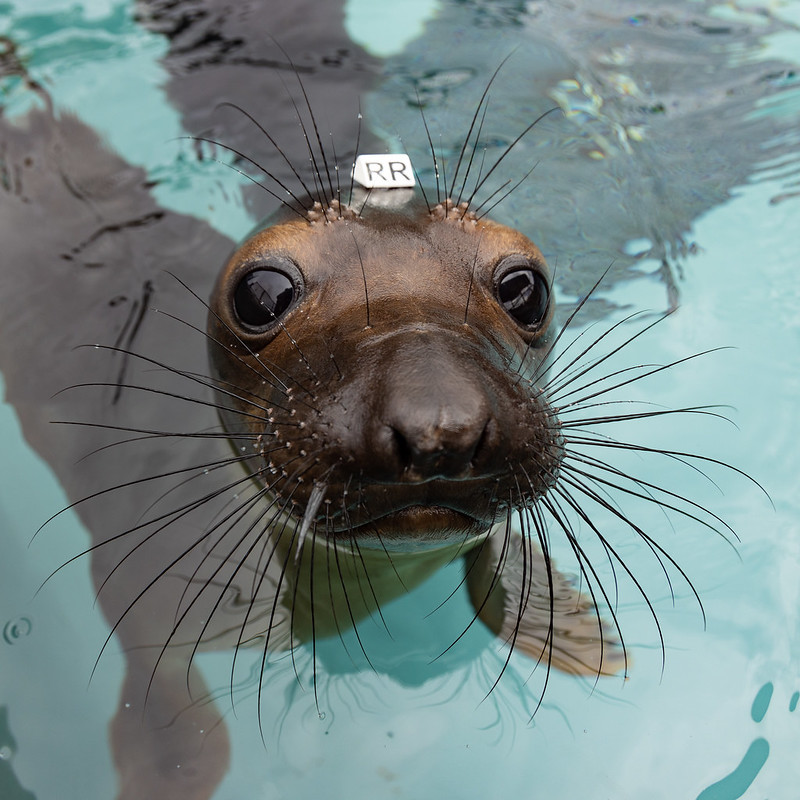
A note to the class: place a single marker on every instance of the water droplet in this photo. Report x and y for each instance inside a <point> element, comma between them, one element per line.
<point>16,629</point>
<point>5,753</point>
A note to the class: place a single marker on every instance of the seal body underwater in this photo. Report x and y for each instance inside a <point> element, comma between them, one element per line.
<point>350,489</point>
<point>390,419</point>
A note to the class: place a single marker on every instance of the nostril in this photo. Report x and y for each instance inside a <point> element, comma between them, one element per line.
<point>403,450</point>
<point>436,422</point>
<point>482,443</point>
<point>439,451</point>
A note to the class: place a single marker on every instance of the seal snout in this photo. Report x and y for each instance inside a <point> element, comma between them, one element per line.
<point>435,419</point>
<point>437,439</point>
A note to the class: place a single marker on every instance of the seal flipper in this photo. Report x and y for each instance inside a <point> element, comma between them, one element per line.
<point>542,615</point>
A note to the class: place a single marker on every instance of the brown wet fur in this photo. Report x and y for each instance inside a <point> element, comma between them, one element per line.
<point>422,406</point>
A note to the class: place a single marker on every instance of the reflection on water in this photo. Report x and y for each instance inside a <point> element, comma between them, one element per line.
<point>659,118</point>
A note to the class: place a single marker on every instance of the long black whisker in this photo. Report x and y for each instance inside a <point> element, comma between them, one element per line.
<point>501,561</point>
<point>474,150</point>
<point>301,212</point>
<point>546,363</point>
<point>281,153</point>
<point>589,421</point>
<point>432,148</point>
<point>475,116</point>
<point>508,149</point>
<point>553,386</point>
<point>570,457</point>
<point>127,484</point>
<point>237,515</point>
<point>656,548</point>
<point>174,395</point>
<point>350,613</point>
<point>148,586</point>
<point>481,214</point>
<point>313,118</point>
<point>586,567</point>
<point>355,155</point>
<point>210,435</point>
<point>526,566</point>
<point>363,275</point>
<point>215,382</point>
<point>678,454</point>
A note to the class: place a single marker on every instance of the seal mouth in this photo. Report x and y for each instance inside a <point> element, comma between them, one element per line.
<point>413,519</point>
<point>434,510</point>
<point>415,526</point>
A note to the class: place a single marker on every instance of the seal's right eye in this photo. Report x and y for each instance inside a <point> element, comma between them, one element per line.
<point>262,296</point>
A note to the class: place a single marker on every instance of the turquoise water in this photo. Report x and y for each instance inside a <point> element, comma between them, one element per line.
<point>722,722</point>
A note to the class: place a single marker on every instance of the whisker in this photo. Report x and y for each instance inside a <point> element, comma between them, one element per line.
<point>662,503</point>
<point>313,118</point>
<point>300,212</point>
<point>476,114</point>
<point>505,153</point>
<point>314,502</point>
<point>432,149</point>
<point>289,163</point>
<point>492,584</point>
<point>363,275</point>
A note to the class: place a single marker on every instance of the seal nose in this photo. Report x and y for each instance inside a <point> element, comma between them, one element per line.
<point>428,448</point>
<point>438,424</point>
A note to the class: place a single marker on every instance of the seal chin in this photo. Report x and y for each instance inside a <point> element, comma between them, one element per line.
<point>419,527</point>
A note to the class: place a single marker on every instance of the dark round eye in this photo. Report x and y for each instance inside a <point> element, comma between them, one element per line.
<point>262,296</point>
<point>524,294</point>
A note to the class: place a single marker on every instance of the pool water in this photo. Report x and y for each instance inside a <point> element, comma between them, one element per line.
<point>721,720</point>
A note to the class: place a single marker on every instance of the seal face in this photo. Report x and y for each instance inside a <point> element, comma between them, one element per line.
<point>381,367</point>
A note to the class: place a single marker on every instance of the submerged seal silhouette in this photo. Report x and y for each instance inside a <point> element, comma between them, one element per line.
<point>385,375</point>
<point>350,495</point>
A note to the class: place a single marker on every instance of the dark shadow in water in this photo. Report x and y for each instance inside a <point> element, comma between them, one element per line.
<point>10,787</point>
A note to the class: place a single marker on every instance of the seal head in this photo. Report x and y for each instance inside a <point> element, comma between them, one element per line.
<point>378,370</point>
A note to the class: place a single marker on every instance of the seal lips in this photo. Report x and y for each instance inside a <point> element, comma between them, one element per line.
<point>398,381</point>
<point>415,526</point>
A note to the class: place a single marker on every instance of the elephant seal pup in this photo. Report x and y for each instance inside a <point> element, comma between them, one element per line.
<point>376,371</point>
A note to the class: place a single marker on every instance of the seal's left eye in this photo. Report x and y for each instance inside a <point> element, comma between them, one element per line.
<point>524,295</point>
<point>262,296</point>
